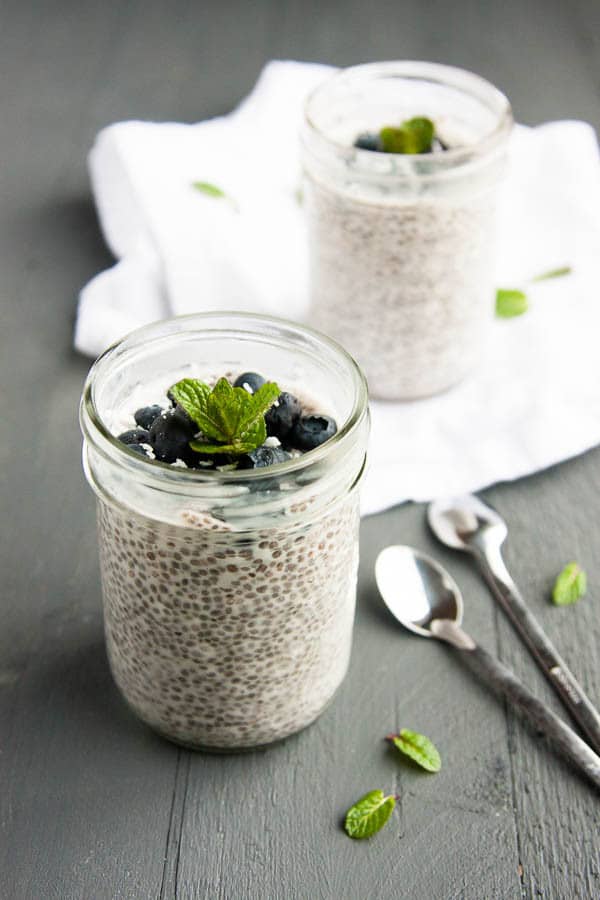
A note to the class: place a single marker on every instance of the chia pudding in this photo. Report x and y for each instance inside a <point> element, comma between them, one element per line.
<point>229,592</point>
<point>402,245</point>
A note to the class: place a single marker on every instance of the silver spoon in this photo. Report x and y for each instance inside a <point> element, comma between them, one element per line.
<point>466,523</point>
<point>422,596</point>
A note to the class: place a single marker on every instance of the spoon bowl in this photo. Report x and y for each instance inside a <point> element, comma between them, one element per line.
<point>416,589</point>
<point>466,523</point>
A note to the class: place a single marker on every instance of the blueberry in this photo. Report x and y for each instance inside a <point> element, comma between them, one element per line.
<point>169,437</point>
<point>263,457</point>
<point>312,431</point>
<point>250,381</point>
<point>181,415</point>
<point>367,141</point>
<point>283,415</point>
<point>185,420</point>
<point>146,415</point>
<point>139,448</point>
<point>134,436</point>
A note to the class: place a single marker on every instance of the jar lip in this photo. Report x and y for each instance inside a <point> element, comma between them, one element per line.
<point>97,432</point>
<point>452,76</point>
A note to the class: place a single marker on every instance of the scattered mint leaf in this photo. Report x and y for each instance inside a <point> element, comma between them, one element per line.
<point>211,190</point>
<point>419,748</point>
<point>553,273</point>
<point>231,420</point>
<point>510,303</point>
<point>412,136</point>
<point>368,815</point>
<point>570,585</point>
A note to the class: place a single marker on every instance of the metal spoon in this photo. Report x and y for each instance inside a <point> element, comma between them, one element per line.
<point>466,523</point>
<point>422,596</point>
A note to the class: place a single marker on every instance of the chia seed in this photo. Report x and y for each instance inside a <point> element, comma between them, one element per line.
<point>177,634</point>
<point>405,287</point>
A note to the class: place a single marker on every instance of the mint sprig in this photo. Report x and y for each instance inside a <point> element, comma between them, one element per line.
<point>570,585</point>
<point>412,136</point>
<point>231,419</point>
<point>368,815</point>
<point>418,747</point>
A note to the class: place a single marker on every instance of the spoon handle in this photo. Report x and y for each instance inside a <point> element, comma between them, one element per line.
<point>542,649</point>
<point>542,717</point>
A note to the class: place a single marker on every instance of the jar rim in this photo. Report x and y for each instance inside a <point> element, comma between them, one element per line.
<point>97,432</point>
<point>451,76</point>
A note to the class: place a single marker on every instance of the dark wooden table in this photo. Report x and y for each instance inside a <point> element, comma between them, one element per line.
<point>92,804</point>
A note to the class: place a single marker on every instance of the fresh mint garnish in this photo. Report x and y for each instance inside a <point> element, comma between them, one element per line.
<point>418,747</point>
<point>553,273</point>
<point>570,585</point>
<point>412,136</point>
<point>231,419</point>
<point>368,815</point>
<point>510,303</point>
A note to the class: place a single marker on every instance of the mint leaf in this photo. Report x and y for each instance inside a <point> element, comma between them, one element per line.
<point>253,437</point>
<point>412,136</point>
<point>217,193</point>
<point>190,394</point>
<point>260,402</point>
<point>231,420</point>
<point>368,815</point>
<point>224,410</point>
<point>193,396</point>
<point>235,449</point>
<point>570,585</point>
<point>510,303</point>
<point>419,748</point>
<point>553,273</point>
<point>211,190</point>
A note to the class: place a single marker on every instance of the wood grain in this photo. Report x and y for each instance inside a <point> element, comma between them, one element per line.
<point>92,805</point>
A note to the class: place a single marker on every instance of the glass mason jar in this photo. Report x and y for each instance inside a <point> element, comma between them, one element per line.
<point>228,595</point>
<point>401,246</point>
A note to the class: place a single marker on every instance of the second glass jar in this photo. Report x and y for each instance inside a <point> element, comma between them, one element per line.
<point>402,246</point>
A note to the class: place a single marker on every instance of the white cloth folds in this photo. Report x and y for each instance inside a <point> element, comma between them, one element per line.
<point>533,402</point>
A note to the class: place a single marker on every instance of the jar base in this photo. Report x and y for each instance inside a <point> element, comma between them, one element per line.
<point>232,751</point>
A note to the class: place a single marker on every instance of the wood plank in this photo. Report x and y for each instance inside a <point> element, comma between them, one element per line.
<point>557,810</point>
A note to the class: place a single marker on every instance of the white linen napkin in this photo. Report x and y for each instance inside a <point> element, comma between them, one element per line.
<point>534,401</point>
